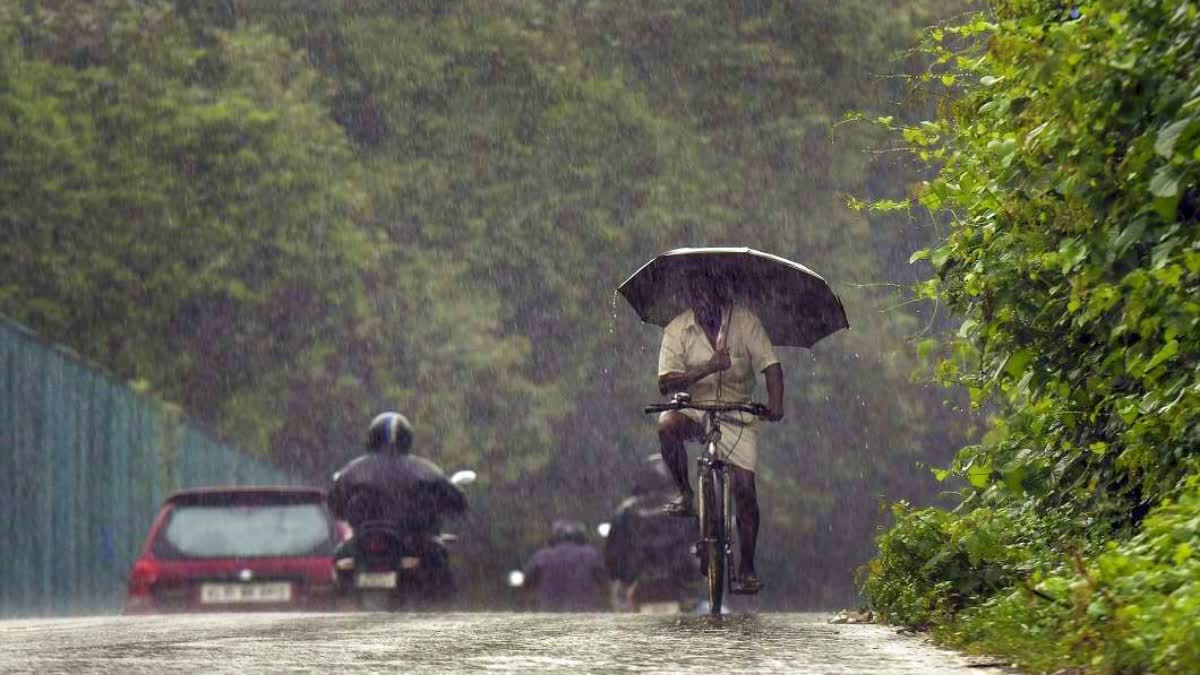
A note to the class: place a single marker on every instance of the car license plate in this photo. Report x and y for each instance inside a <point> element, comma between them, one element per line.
<point>214,594</point>
<point>376,580</point>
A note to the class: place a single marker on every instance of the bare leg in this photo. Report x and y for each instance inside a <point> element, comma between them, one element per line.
<point>673,429</point>
<point>746,498</point>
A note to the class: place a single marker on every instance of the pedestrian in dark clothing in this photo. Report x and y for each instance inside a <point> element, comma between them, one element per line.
<point>648,552</point>
<point>569,574</point>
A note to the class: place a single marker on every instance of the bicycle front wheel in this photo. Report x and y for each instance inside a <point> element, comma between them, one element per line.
<point>712,535</point>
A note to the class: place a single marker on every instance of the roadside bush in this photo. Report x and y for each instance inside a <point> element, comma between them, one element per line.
<point>1137,605</point>
<point>1131,609</point>
<point>1067,158</point>
<point>934,563</point>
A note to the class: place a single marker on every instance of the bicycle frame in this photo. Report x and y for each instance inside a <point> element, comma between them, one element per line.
<point>716,513</point>
<point>715,507</point>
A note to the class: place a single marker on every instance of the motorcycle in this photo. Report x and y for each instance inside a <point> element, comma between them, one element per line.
<point>387,569</point>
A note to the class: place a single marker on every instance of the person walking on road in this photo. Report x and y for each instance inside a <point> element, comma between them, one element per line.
<point>649,554</point>
<point>568,575</point>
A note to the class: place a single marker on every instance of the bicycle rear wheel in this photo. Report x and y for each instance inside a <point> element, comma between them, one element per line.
<point>712,537</point>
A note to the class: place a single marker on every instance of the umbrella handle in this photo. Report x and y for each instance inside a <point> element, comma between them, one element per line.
<point>723,331</point>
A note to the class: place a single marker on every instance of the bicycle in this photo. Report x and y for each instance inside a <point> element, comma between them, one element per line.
<point>715,508</point>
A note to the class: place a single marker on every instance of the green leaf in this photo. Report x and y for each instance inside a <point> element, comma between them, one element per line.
<point>980,475</point>
<point>1165,182</point>
<point>1166,207</point>
<point>1073,251</point>
<point>919,255</point>
<point>939,257</point>
<point>1167,352</point>
<point>967,327</point>
<point>1164,144</point>
<point>977,396</point>
<point>1131,234</point>
<point>1129,413</point>
<point>1015,367</point>
<point>1183,553</point>
<point>1014,478</point>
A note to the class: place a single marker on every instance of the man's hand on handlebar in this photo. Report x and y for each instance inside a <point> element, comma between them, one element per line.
<point>751,408</point>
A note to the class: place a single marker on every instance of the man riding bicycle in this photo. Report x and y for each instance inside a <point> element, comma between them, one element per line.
<point>713,352</point>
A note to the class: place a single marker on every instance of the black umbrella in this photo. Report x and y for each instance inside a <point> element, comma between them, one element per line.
<point>796,306</point>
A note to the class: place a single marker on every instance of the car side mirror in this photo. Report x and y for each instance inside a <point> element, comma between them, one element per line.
<point>464,477</point>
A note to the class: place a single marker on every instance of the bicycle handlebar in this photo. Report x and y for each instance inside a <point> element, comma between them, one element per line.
<point>753,408</point>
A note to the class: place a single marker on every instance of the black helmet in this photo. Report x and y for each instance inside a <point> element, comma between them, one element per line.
<point>390,431</point>
<point>563,531</point>
<point>653,477</point>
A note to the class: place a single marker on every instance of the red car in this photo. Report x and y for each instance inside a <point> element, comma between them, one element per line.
<point>235,549</point>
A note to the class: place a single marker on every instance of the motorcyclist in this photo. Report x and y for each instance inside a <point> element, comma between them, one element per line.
<point>388,484</point>
<point>649,553</point>
<point>568,575</point>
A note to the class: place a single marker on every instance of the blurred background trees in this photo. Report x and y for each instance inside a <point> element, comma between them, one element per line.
<point>288,216</point>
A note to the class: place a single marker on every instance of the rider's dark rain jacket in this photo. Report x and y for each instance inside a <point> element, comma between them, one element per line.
<point>410,492</point>
<point>567,577</point>
<point>645,543</point>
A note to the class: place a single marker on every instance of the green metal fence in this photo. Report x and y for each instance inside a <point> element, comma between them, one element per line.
<point>85,463</point>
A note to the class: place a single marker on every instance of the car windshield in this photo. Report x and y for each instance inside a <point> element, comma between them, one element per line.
<point>240,531</point>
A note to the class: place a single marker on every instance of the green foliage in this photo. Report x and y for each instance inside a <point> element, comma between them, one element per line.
<point>933,563</point>
<point>1068,167</point>
<point>1131,608</point>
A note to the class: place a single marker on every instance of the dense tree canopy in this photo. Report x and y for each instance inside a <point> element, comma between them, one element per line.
<point>287,216</point>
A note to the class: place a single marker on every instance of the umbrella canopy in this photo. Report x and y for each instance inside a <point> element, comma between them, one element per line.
<point>796,306</point>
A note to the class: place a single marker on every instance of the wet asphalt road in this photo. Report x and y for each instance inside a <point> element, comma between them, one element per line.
<point>519,643</point>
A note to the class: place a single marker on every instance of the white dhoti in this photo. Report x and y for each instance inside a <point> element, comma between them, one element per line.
<point>738,444</point>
